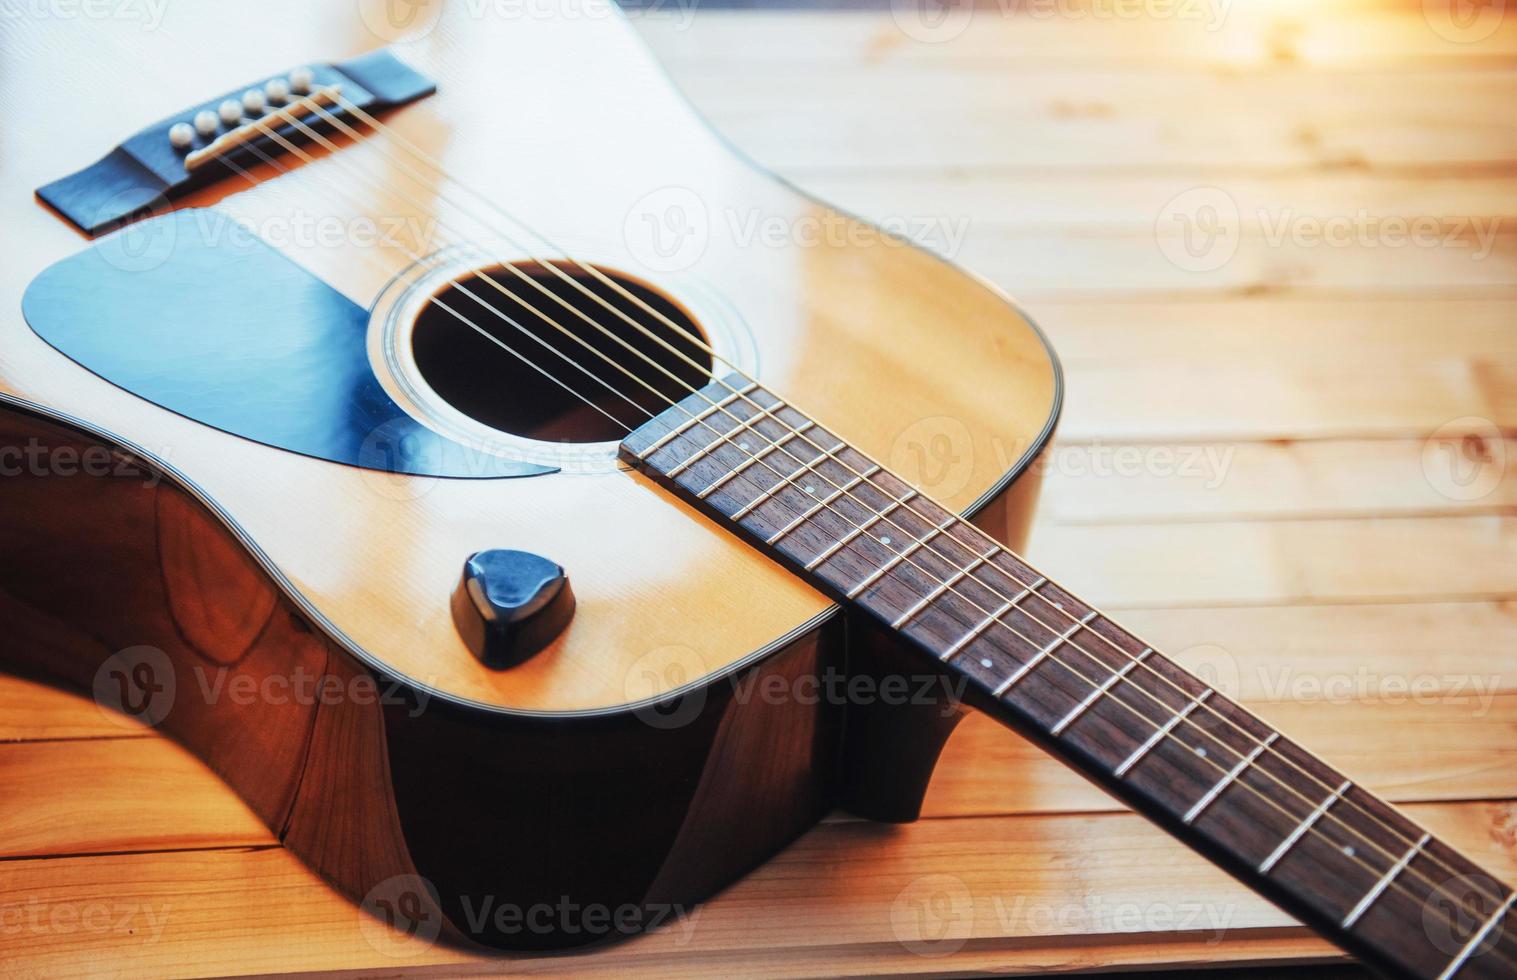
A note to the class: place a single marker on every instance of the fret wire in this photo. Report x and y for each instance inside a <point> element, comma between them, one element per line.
<point>1160,735</point>
<point>1228,779</point>
<point>859,529</point>
<point>1303,827</point>
<point>816,508</point>
<point>725,437</point>
<point>1043,654</point>
<point>754,457</point>
<point>994,618</point>
<point>1096,695</point>
<point>983,625</point>
<point>900,556</point>
<point>697,419</point>
<point>1383,883</point>
<point>930,597</point>
<point>787,481</point>
<point>1198,702</point>
<point>1478,938</point>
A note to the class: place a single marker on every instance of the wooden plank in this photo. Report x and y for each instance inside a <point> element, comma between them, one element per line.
<point>121,794</point>
<point>1121,201</point>
<point>1276,330</point>
<point>878,118</point>
<point>1335,34</point>
<point>1270,653</point>
<point>1004,892</point>
<point>30,710</point>
<point>1454,260</point>
<point>1242,563</point>
<point>1100,482</point>
<point>1369,397</point>
<point>149,795</point>
<point>1406,748</point>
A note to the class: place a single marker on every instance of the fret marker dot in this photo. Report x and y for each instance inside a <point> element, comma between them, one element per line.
<point>1349,850</point>
<point>985,662</point>
<point>811,489</point>
<point>1201,753</point>
<point>1058,605</point>
<point>885,540</point>
<point>743,446</point>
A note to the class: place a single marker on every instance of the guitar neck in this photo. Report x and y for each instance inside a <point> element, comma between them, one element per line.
<point>1062,673</point>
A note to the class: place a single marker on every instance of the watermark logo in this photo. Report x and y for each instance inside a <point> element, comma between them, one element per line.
<point>1465,459</point>
<point>935,454</point>
<point>136,686</point>
<point>144,244</point>
<point>1457,911</point>
<point>400,917</point>
<point>148,13</point>
<point>1095,914</point>
<point>43,460</point>
<point>1217,668</point>
<point>663,669</point>
<point>933,915</point>
<point>399,20</point>
<point>1464,21</point>
<point>939,21</point>
<point>120,920</point>
<point>1199,230</point>
<point>392,457</point>
<point>932,21</point>
<point>668,230</point>
<point>567,917</point>
<point>307,687</point>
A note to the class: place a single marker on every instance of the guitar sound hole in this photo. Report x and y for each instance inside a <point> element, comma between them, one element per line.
<point>476,376</point>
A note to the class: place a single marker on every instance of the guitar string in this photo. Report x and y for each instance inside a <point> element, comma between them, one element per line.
<point>1026,639</point>
<point>437,301</point>
<point>1073,621</point>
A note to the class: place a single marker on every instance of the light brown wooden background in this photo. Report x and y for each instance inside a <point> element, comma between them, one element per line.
<point>1254,470</point>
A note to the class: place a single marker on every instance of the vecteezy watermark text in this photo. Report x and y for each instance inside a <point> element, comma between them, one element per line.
<point>148,13</point>
<point>40,459</point>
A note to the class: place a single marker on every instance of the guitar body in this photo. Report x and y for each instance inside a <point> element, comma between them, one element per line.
<point>296,609</point>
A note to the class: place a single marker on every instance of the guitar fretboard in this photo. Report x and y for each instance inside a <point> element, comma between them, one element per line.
<point>1064,674</point>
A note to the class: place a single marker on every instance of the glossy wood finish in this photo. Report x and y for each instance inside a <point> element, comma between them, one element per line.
<point>828,323</point>
<point>637,812</point>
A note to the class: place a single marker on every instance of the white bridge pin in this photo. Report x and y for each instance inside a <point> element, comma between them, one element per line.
<point>301,79</point>
<point>277,90</point>
<point>205,123</point>
<point>181,136</point>
<point>230,111</point>
<point>253,101</point>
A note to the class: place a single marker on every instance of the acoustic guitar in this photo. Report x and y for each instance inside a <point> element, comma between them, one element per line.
<point>539,514</point>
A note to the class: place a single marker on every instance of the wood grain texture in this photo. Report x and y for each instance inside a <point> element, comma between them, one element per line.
<point>1327,397</point>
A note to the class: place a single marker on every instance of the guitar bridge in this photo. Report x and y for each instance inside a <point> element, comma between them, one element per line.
<point>207,142</point>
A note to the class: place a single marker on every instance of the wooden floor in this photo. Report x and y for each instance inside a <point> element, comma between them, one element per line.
<point>1287,453</point>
